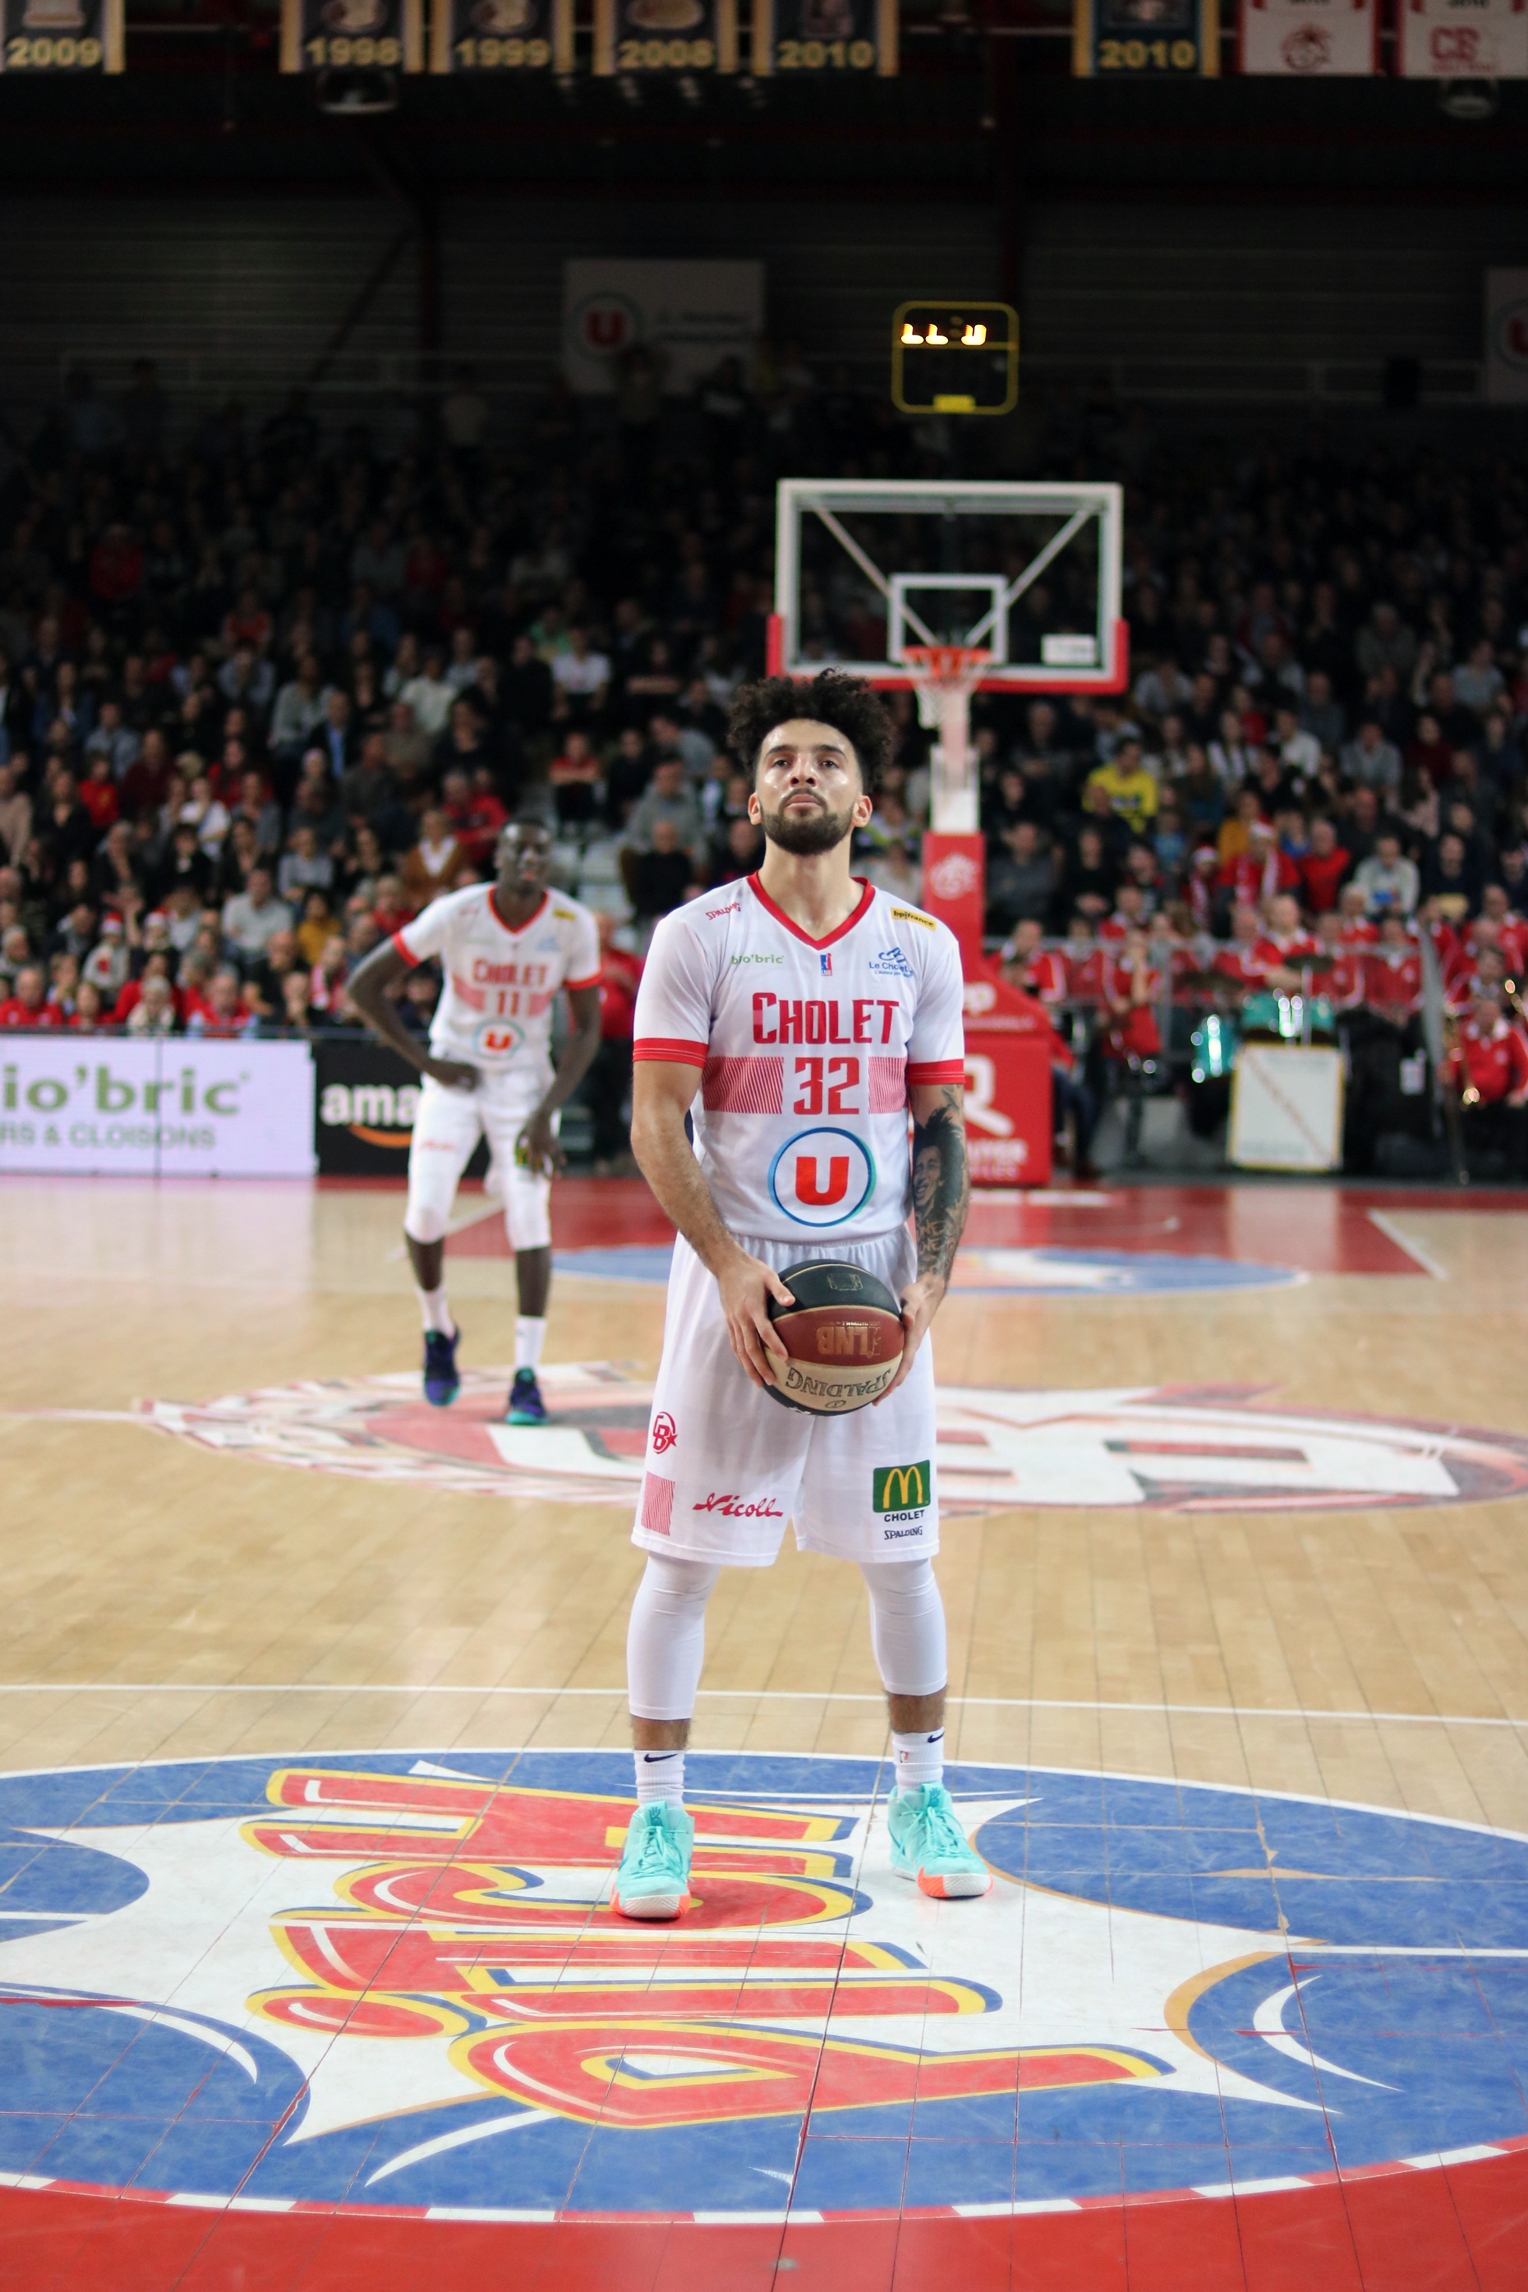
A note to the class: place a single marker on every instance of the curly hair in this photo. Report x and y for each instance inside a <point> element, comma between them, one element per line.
<point>848,703</point>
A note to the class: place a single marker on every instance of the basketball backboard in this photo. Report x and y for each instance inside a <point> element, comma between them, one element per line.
<point>867,569</point>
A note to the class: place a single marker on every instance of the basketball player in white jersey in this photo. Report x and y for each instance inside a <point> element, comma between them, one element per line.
<point>506,949</point>
<point>794,1019</point>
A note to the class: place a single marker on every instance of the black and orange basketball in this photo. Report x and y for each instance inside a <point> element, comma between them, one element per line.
<point>843,1336</point>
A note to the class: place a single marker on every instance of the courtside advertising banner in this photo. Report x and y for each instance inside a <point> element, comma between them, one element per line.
<point>824,36</point>
<point>502,36</point>
<point>95,1105</point>
<point>1507,337</point>
<point>1309,39</point>
<point>689,315</point>
<point>633,36</point>
<point>1145,39</point>
<point>352,35</point>
<point>1461,39</point>
<point>61,35</point>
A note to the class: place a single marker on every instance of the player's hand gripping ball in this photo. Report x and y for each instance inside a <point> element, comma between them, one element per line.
<point>843,1339</point>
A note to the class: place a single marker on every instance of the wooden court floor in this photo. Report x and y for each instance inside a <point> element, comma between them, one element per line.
<point>1291,1589</point>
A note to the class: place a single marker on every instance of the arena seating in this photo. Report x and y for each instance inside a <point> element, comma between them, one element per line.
<point>262,700</point>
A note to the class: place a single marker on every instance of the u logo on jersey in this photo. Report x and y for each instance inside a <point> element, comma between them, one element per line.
<point>497,1038</point>
<point>822,1177</point>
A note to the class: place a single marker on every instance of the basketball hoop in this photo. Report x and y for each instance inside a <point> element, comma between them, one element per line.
<point>944,678</point>
<point>940,670</point>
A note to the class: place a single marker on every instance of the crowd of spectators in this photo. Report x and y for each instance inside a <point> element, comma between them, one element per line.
<point>264,697</point>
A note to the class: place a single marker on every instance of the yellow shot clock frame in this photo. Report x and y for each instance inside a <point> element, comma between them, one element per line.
<point>955,358</point>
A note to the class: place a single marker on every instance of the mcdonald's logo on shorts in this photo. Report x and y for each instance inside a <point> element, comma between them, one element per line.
<point>900,1490</point>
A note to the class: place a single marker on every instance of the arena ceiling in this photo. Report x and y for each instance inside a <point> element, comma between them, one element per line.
<point>985,110</point>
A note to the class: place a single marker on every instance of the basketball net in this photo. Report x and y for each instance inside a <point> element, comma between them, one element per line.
<point>944,678</point>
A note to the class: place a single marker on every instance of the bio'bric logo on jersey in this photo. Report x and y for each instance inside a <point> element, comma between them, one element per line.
<point>822,1177</point>
<point>735,960</point>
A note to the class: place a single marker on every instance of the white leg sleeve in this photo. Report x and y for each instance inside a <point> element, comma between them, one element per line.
<point>527,1209</point>
<point>666,1638</point>
<point>445,1131</point>
<point>906,1625</point>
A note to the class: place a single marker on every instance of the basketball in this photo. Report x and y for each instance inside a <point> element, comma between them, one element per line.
<point>843,1336</point>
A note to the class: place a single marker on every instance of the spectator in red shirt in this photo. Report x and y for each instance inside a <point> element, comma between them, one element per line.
<point>1084,961</point>
<point>1038,971</point>
<point>1129,914</point>
<point>1393,973</point>
<point>610,1075</point>
<point>90,1016</point>
<point>1070,1095</point>
<point>1133,991</point>
<point>1323,868</point>
<point>1242,962</point>
<point>1489,1066</point>
<point>28,1006</point>
<point>1505,930</point>
<point>1342,982</point>
<point>1353,913</point>
<point>223,1013</point>
<point>1261,870</point>
<point>98,793</point>
<point>1285,945</point>
<point>116,568</point>
<point>1490,1055</point>
<point>575,780</point>
<point>155,966</point>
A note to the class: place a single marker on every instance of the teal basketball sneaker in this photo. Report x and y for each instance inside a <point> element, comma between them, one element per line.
<point>525,1405</point>
<point>929,1846</point>
<point>653,1879</point>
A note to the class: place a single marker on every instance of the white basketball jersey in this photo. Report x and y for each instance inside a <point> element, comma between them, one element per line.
<point>805,1050</point>
<point>500,985</point>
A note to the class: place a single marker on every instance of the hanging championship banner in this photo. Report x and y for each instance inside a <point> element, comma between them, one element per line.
<point>1309,39</point>
<point>1461,39</point>
<point>826,36</point>
<point>502,36</point>
<point>61,35</point>
<point>1146,39</point>
<point>665,36</point>
<point>352,35</point>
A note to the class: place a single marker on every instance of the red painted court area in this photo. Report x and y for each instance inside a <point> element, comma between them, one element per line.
<point>1311,1228</point>
<point>1457,2227</point>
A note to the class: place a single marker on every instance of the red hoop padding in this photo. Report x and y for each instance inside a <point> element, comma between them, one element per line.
<point>945,664</point>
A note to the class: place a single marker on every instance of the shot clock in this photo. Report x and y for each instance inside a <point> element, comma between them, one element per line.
<point>955,358</point>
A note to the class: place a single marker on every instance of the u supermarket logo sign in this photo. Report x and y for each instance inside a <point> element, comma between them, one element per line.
<point>266,1986</point>
<point>822,1177</point>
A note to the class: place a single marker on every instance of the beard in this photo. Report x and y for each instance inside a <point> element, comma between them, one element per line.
<point>806,833</point>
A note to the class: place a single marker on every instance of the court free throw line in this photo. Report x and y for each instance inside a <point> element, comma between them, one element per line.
<point>743,1695</point>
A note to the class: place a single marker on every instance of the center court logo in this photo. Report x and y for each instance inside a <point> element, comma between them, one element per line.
<point>1162,1448</point>
<point>338,1981</point>
<point>822,1177</point>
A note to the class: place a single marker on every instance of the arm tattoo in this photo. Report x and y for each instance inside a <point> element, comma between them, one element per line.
<point>941,1188</point>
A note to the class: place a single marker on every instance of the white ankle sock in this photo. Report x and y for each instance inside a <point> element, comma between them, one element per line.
<point>919,1760</point>
<point>434,1311</point>
<point>530,1336</point>
<point>660,1775</point>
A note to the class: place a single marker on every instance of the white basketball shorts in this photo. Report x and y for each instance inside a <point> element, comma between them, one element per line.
<point>447,1128</point>
<point>727,1466</point>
